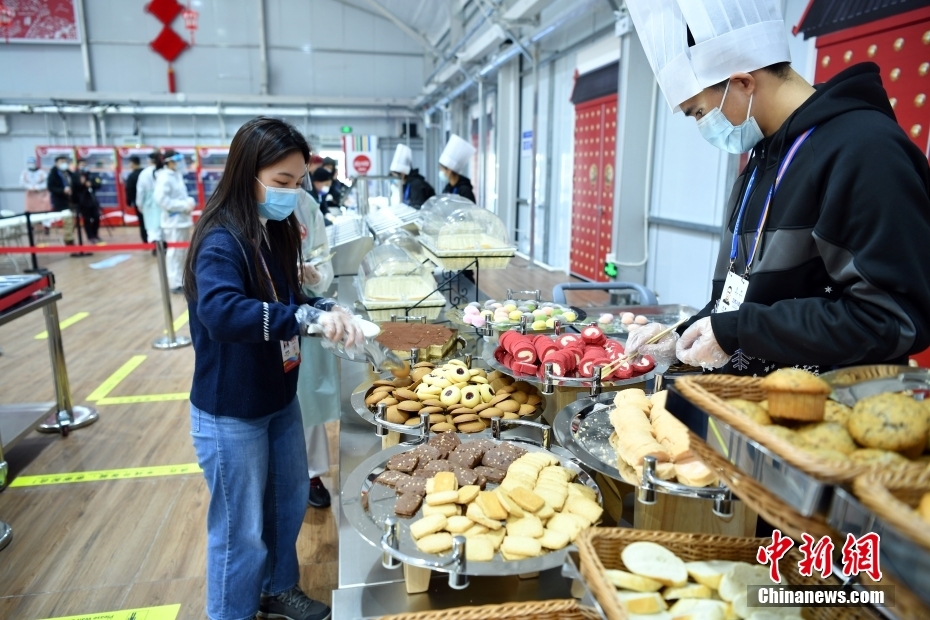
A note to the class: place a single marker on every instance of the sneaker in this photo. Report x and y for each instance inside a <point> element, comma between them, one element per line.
<point>319,495</point>
<point>292,605</point>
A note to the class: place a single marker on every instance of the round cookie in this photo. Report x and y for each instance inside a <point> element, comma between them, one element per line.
<point>889,422</point>
<point>836,412</point>
<point>826,436</point>
<point>782,432</point>
<point>871,456</point>
<point>751,410</point>
<point>472,427</point>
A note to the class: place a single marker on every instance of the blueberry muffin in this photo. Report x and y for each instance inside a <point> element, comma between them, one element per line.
<point>893,422</point>
<point>795,394</point>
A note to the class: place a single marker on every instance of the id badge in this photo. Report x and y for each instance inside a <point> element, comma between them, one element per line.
<point>290,352</point>
<point>734,292</point>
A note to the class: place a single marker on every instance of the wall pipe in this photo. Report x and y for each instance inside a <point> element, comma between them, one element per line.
<point>85,48</point>
<point>481,144</point>
<point>262,48</point>
<point>205,111</point>
<point>533,175</point>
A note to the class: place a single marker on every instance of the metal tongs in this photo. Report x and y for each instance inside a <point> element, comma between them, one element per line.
<point>380,357</point>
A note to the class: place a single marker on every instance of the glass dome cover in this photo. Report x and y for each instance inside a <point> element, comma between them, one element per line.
<point>402,239</point>
<point>452,226</point>
<point>390,273</point>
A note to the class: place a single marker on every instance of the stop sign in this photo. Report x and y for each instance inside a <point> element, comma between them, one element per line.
<point>362,164</point>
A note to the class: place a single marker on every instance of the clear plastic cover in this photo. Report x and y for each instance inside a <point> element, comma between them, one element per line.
<point>453,223</point>
<point>402,239</point>
<point>390,273</point>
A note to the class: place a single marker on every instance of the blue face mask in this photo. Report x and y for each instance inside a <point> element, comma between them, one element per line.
<point>279,202</point>
<point>719,131</point>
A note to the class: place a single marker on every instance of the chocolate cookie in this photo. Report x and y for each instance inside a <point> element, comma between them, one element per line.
<point>492,474</point>
<point>465,458</point>
<point>426,453</point>
<point>437,466</point>
<point>405,462</point>
<point>465,477</point>
<point>390,478</point>
<point>413,485</point>
<point>407,504</point>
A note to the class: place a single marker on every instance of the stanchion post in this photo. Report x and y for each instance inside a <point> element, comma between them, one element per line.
<point>32,243</point>
<point>66,416</point>
<point>171,340</point>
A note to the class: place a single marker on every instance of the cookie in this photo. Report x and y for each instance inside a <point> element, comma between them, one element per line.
<point>472,427</point>
<point>836,412</point>
<point>408,504</point>
<point>465,477</point>
<point>435,543</point>
<point>893,422</point>
<point>493,475</point>
<point>479,549</point>
<point>405,462</point>
<point>872,456</point>
<point>411,485</point>
<point>427,526</point>
<point>439,465</point>
<point>390,478</point>
<point>425,453</point>
<point>826,436</point>
<point>751,410</point>
<point>468,493</point>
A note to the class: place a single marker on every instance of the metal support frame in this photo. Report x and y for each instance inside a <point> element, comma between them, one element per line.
<point>533,179</point>
<point>171,340</point>
<point>85,46</point>
<point>262,49</point>
<point>482,147</point>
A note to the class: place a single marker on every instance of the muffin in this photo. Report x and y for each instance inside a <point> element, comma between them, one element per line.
<point>826,436</point>
<point>751,410</point>
<point>890,422</point>
<point>871,456</point>
<point>795,394</point>
<point>836,412</point>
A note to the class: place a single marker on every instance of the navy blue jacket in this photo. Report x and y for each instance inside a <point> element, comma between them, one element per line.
<point>236,372</point>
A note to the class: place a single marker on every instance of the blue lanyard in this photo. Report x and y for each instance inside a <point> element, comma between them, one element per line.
<point>783,167</point>
<point>407,193</point>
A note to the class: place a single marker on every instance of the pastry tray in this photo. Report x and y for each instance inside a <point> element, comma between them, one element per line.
<point>455,260</point>
<point>576,383</point>
<point>584,428</point>
<point>368,506</point>
<point>494,330</point>
<point>803,492</point>
<point>357,400</point>
<point>897,553</point>
<point>667,314</point>
<point>850,384</point>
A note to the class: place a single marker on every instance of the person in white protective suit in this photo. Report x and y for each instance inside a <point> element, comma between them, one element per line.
<point>318,381</point>
<point>176,221</point>
<point>34,179</point>
<point>148,209</point>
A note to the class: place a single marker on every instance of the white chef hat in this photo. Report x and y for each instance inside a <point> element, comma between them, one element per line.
<point>664,34</point>
<point>734,35</point>
<point>457,154</point>
<point>729,35</point>
<point>403,159</point>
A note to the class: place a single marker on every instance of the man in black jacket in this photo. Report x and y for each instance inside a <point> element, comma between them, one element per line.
<point>135,164</point>
<point>415,190</point>
<point>85,197</point>
<point>337,189</point>
<point>840,273</point>
<point>59,185</point>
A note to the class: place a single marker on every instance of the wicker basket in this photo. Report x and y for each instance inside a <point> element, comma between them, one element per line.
<point>709,393</point>
<point>535,610</point>
<point>892,496</point>
<point>380,311</point>
<point>456,260</point>
<point>762,501</point>
<point>600,550</point>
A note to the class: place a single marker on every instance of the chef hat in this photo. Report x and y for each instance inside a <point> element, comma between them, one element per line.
<point>403,159</point>
<point>664,34</point>
<point>729,35</point>
<point>734,35</point>
<point>30,161</point>
<point>456,155</point>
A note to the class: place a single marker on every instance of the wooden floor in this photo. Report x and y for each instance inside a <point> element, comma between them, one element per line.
<point>90,547</point>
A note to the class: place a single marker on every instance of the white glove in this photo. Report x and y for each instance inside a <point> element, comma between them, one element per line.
<point>339,327</point>
<point>698,346</point>
<point>311,275</point>
<point>663,352</point>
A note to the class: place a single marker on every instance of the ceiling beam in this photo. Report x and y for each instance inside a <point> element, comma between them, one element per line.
<point>409,31</point>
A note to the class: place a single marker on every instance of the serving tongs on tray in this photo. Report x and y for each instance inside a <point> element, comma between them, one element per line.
<point>610,368</point>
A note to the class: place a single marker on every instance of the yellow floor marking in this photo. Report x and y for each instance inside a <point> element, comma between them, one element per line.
<point>106,474</point>
<point>145,398</point>
<point>164,612</point>
<point>71,320</point>
<point>113,380</point>
<point>179,322</point>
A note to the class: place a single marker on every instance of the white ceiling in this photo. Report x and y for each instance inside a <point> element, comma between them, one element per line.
<point>430,18</point>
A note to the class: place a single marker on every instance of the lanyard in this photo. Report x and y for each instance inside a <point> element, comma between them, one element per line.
<point>782,168</point>
<point>268,273</point>
<point>407,193</point>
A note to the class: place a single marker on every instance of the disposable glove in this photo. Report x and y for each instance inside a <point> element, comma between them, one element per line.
<point>311,275</point>
<point>335,324</point>
<point>663,352</point>
<point>698,346</point>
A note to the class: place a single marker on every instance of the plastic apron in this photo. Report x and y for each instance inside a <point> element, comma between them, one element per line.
<point>318,381</point>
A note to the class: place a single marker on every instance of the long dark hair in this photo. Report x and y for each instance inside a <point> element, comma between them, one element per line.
<point>258,144</point>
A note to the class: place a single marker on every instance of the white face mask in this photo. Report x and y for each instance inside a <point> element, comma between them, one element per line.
<point>444,176</point>
<point>63,166</point>
<point>719,131</point>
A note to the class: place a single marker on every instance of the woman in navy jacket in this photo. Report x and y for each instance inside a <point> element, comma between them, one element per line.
<point>247,313</point>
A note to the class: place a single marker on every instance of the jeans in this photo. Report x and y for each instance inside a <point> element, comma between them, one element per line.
<point>256,470</point>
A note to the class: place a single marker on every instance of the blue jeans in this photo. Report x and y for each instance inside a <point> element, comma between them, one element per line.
<point>256,470</point>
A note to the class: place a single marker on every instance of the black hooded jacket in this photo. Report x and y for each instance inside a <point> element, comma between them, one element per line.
<point>843,273</point>
<point>416,189</point>
<point>461,188</point>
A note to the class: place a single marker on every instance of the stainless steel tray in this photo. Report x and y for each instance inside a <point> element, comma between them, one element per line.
<point>584,428</point>
<point>667,314</point>
<point>909,563</point>
<point>368,506</point>
<point>849,388</point>
<point>799,490</point>
<point>580,384</point>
